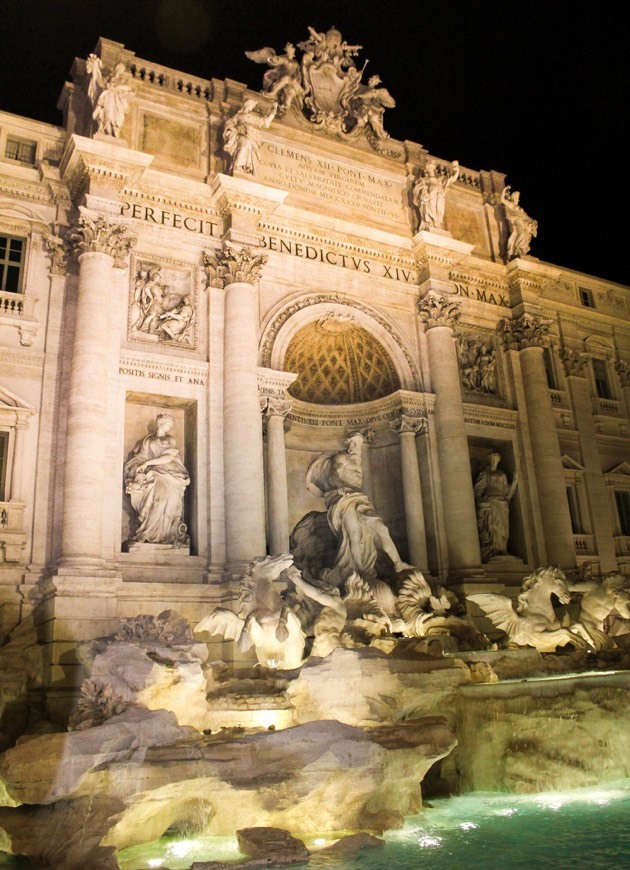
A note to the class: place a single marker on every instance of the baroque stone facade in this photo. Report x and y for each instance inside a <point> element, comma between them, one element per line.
<point>189,251</point>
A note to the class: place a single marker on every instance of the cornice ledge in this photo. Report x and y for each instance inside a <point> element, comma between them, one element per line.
<point>84,158</point>
<point>228,192</point>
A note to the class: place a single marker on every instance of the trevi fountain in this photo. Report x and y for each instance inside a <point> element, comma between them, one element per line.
<point>376,646</point>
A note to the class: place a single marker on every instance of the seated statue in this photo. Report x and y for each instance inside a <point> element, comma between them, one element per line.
<point>155,480</point>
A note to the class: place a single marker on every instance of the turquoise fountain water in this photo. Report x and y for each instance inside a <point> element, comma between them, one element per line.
<point>584,828</point>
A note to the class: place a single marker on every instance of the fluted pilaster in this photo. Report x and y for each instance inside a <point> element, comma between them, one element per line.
<point>440,314</point>
<point>237,269</point>
<point>99,245</point>
<point>408,428</point>
<point>528,335</point>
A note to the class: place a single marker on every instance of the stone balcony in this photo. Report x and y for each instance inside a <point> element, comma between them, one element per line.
<point>18,309</point>
<point>584,545</point>
<point>12,535</point>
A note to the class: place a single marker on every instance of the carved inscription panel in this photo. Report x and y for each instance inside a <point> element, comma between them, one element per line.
<point>373,194</point>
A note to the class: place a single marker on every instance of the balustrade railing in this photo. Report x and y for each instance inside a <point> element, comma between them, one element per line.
<point>584,544</point>
<point>17,305</point>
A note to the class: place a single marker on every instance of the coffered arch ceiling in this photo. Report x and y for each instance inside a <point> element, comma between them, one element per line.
<point>339,362</point>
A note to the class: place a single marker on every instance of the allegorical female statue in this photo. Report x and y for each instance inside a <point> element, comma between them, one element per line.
<point>522,227</point>
<point>493,494</point>
<point>155,480</point>
<point>242,135</point>
<point>429,195</point>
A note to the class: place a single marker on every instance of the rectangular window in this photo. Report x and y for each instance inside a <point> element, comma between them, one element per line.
<point>550,368</point>
<point>20,149</point>
<point>11,263</point>
<point>586,298</point>
<point>574,510</point>
<point>623,509</point>
<point>600,374</point>
<point>4,461</point>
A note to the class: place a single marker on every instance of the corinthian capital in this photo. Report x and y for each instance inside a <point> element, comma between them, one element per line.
<point>56,248</point>
<point>96,233</point>
<point>408,423</point>
<point>274,406</point>
<point>233,264</point>
<point>574,362</point>
<point>435,309</point>
<point>529,330</point>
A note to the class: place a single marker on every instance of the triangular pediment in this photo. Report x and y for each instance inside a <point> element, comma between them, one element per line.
<point>10,401</point>
<point>622,468</point>
<point>11,208</point>
<point>571,464</point>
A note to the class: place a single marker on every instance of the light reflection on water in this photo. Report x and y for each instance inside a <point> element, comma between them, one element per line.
<point>585,828</point>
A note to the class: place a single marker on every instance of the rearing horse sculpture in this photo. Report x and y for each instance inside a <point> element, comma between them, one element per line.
<point>534,621</point>
<point>263,619</point>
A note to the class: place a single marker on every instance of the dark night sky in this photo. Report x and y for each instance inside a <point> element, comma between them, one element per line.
<point>538,89</point>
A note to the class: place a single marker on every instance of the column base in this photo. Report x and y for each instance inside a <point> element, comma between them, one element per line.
<point>86,566</point>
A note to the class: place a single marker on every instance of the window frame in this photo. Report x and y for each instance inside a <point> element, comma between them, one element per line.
<point>5,455</point>
<point>602,378</point>
<point>20,141</point>
<point>6,263</point>
<point>587,298</point>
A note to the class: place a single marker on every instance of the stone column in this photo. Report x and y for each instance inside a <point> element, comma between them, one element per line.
<point>575,365</point>
<point>15,488</point>
<point>237,268</point>
<point>100,245</point>
<point>274,417</point>
<point>439,315</point>
<point>408,428</point>
<point>528,335</point>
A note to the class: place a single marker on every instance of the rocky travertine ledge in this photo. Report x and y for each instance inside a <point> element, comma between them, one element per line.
<point>142,774</point>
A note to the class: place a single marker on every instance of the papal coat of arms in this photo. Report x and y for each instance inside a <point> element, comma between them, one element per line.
<point>325,87</point>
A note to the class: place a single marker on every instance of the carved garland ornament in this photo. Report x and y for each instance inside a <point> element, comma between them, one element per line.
<point>233,264</point>
<point>407,423</point>
<point>94,233</point>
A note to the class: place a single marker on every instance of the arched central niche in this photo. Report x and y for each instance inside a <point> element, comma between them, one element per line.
<point>339,363</point>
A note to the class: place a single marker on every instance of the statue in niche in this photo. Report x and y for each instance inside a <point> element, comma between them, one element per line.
<point>493,494</point>
<point>429,194</point>
<point>242,135</point>
<point>522,227</point>
<point>369,104</point>
<point>283,82</point>
<point>155,480</point>
<point>111,104</point>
